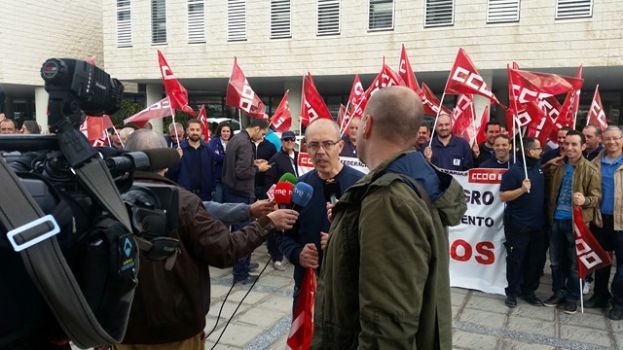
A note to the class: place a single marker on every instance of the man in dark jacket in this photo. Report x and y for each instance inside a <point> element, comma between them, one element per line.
<point>239,169</point>
<point>194,172</point>
<point>170,305</point>
<point>301,245</point>
<point>385,282</point>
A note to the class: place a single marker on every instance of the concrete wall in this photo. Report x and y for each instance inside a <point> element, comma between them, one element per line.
<point>33,30</point>
<point>537,40</point>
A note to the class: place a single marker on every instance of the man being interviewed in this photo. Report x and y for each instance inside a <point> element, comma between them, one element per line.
<point>385,282</point>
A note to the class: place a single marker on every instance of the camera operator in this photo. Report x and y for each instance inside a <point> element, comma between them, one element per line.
<point>170,307</point>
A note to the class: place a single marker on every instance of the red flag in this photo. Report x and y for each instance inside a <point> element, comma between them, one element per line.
<point>589,254</point>
<point>94,128</point>
<point>340,116</point>
<point>570,106</point>
<point>203,119</point>
<point>177,94</point>
<point>312,104</point>
<point>241,96</point>
<point>430,101</point>
<point>463,118</point>
<point>465,79</point>
<point>386,77</point>
<point>158,110</point>
<point>282,119</point>
<point>596,114</point>
<point>302,329</point>
<point>531,86</point>
<point>406,72</point>
<point>482,137</point>
<point>357,101</point>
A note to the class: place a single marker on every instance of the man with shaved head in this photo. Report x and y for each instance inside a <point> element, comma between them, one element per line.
<point>385,281</point>
<point>447,151</point>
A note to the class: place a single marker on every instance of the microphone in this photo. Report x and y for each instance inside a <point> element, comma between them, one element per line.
<point>149,159</point>
<point>301,195</point>
<point>288,177</point>
<point>331,191</point>
<point>283,194</point>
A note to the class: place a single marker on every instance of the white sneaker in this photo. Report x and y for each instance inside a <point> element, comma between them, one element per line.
<point>278,265</point>
<point>587,288</point>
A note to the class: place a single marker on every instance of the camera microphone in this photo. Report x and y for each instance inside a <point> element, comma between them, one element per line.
<point>331,191</point>
<point>283,194</point>
<point>301,195</point>
<point>149,159</point>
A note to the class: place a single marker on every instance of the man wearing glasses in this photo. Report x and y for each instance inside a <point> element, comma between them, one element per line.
<point>301,245</point>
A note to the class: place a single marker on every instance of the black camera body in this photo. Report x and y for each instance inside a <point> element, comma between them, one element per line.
<point>68,179</point>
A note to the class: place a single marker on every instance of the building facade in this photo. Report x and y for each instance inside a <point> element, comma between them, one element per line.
<point>276,42</point>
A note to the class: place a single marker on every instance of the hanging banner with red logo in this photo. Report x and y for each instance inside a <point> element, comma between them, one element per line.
<point>241,96</point>
<point>158,110</point>
<point>596,114</point>
<point>465,79</point>
<point>477,254</point>
<point>282,119</point>
<point>312,104</point>
<point>406,72</point>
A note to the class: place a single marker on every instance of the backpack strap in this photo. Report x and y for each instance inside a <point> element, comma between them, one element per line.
<point>33,235</point>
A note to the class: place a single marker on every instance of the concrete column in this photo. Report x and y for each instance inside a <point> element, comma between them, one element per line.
<point>480,102</point>
<point>41,107</point>
<point>294,101</point>
<point>153,94</point>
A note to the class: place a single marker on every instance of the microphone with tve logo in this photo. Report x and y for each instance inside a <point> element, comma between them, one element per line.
<point>301,196</point>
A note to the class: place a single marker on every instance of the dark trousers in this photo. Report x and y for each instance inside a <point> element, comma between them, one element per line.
<point>241,268</point>
<point>565,280</point>
<point>525,258</point>
<point>609,239</point>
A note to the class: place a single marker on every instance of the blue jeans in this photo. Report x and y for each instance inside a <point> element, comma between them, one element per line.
<point>218,193</point>
<point>241,268</point>
<point>565,280</point>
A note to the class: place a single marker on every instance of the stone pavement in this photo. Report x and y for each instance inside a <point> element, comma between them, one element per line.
<point>481,321</point>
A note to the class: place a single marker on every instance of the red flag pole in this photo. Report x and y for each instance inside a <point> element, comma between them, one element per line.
<point>474,123</point>
<point>575,114</point>
<point>174,124</point>
<point>432,133</point>
<point>581,295</point>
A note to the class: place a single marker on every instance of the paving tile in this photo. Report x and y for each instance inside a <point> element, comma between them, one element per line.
<point>261,317</point>
<point>282,304</point>
<point>483,318</point>
<point>585,335</point>
<point>516,345</point>
<point>252,298</point>
<point>597,321</point>
<point>457,298</point>
<point>236,335</point>
<point>467,340</point>
<point>493,303</point>
<point>531,326</point>
<point>536,312</point>
<point>228,309</point>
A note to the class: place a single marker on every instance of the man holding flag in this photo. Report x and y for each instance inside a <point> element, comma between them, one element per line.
<point>572,181</point>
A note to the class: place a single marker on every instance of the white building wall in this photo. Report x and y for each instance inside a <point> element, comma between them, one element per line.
<point>33,30</point>
<point>537,40</point>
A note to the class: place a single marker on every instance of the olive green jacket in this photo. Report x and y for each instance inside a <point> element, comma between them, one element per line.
<point>385,279</point>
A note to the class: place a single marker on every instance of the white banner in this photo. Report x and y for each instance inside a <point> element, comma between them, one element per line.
<point>305,164</point>
<point>477,253</point>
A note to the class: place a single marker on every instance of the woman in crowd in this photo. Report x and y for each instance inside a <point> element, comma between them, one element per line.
<point>218,145</point>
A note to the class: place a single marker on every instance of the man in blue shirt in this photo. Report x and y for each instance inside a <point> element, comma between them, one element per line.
<point>523,225</point>
<point>608,227</point>
<point>572,181</point>
<point>447,151</point>
<point>301,245</point>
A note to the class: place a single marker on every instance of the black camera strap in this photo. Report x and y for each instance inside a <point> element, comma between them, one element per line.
<point>32,235</point>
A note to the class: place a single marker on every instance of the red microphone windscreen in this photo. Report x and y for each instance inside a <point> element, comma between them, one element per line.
<point>283,193</point>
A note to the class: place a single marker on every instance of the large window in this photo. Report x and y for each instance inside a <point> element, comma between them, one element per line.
<point>574,8</point>
<point>280,19</point>
<point>158,22</point>
<point>236,20</point>
<point>381,15</point>
<point>328,17</point>
<point>124,24</point>
<point>500,11</point>
<point>439,13</point>
<point>196,20</point>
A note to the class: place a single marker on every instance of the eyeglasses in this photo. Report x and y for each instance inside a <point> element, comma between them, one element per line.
<point>612,139</point>
<point>327,145</point>
<point>288,139</point>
